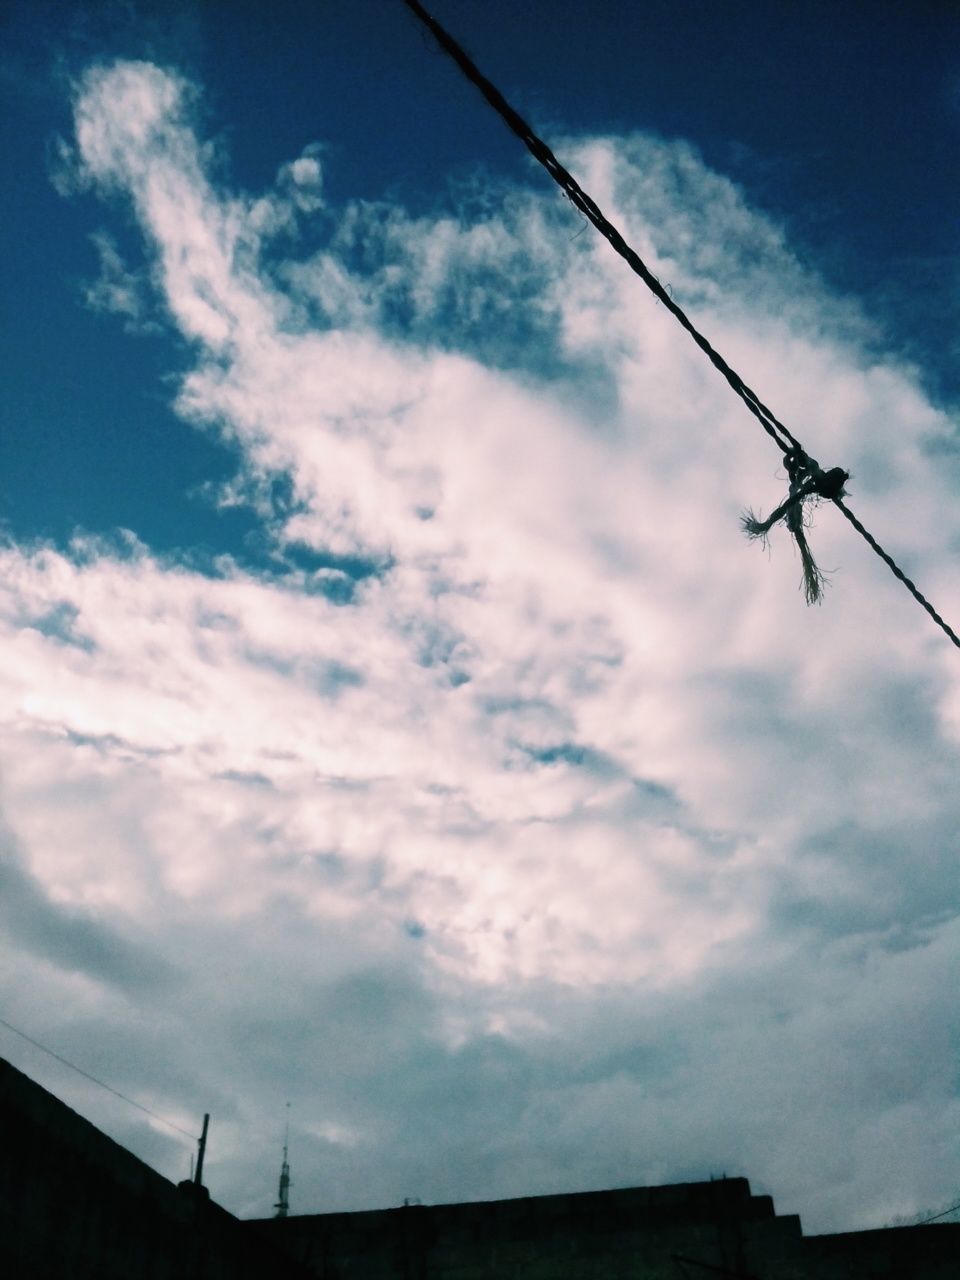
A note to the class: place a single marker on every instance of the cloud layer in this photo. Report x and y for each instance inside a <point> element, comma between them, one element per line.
<point>523,827</point>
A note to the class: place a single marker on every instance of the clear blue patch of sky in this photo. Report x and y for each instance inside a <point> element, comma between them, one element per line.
<point>842,119</point>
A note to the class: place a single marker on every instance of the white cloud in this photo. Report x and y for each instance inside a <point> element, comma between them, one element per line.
<point>117,289</point>
<point>304,179</point>
<point>552,815</point>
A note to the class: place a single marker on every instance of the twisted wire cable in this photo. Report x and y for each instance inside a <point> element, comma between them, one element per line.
<point>780,434</point>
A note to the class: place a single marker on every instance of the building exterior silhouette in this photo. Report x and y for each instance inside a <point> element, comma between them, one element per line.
<point>74,1204</point>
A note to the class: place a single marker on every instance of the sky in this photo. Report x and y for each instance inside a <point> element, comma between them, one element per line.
<point>394,719</point>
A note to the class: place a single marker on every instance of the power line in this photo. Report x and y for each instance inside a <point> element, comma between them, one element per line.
<point>935,1216</point>
<point>782,437</point>
<point>87,1076</point>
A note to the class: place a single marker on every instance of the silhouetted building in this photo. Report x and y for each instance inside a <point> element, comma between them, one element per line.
<point>688,1230</point>
<point>74,1204</point>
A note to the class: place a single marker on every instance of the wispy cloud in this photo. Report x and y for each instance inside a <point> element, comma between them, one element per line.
<point>117,289</point>
<point>526,827</point>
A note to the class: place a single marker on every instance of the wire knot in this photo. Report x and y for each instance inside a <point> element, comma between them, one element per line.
<point>807,480</point>
<point>829,484</point>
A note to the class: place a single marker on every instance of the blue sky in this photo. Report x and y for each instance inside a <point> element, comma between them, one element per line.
<point>837,121</point>
<point>392,705</point>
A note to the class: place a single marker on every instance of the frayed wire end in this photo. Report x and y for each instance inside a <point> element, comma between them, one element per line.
<point>752,526</point>
<point>814,579</point>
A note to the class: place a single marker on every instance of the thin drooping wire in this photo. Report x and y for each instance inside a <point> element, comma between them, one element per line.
<point>783,438</point>
<point>87,1076</point>
<point>934,1217</point>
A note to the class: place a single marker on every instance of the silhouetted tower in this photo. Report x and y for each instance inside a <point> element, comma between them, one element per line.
<point>283,1204</point>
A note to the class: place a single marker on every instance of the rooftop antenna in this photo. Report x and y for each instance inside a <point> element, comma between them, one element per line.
<point>283,1204</point>
<point>201,1151</point>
